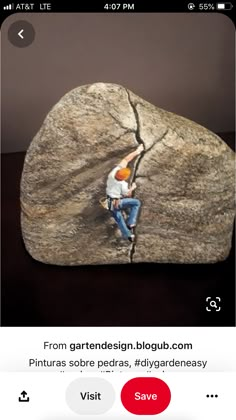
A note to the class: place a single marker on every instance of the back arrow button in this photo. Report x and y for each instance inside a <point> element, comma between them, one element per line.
<point>20,33</point>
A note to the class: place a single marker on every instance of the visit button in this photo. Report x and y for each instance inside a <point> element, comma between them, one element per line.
<point>145,396</point>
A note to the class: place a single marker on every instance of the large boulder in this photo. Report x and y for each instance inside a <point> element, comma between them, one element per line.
<point>185,179</point>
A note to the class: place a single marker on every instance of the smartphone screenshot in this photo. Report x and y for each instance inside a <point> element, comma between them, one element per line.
<point>117,211</point>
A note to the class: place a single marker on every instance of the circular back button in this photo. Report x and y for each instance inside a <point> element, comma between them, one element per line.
<point>21,33</point>
<point>144,396</point>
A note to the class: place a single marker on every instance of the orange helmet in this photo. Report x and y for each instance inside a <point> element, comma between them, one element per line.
<point>122,174</point>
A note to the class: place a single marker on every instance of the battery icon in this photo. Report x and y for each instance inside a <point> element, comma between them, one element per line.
<point>224,6</point>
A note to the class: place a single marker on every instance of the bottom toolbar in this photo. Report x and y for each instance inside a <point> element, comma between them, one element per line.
<point>64,396</point>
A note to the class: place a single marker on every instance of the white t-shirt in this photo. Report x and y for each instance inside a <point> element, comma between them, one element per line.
<point>115,188</point>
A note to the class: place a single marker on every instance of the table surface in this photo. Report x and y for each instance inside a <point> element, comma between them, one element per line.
<point>36,294</point>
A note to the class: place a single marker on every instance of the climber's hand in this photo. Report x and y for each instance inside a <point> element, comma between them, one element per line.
<point>133,186</point>
<point>140,149</point>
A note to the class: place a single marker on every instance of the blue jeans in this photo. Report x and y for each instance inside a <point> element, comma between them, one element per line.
<point>131,204</point>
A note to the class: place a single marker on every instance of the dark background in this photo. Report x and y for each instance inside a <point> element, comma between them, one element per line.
<point>182,63</point>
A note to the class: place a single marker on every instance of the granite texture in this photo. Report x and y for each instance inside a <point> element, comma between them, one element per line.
<point>185,181</point>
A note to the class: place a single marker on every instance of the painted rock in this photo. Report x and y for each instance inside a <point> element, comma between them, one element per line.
<point>185,182</point>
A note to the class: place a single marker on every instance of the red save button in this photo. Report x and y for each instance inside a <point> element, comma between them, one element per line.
<point>145,396</point>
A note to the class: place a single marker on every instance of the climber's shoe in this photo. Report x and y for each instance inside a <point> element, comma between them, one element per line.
<point>131,238</point>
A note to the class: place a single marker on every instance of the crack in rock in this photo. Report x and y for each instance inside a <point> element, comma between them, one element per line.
<point>138,160</point>
<point>127,130</point>
<point>158,140</point>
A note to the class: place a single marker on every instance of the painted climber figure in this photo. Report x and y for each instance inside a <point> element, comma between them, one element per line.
<point>119,196</point>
